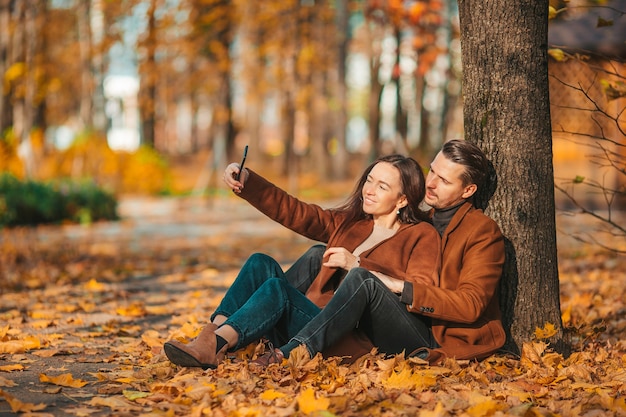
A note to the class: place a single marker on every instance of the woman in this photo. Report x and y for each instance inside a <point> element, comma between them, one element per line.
<point>380,230</point>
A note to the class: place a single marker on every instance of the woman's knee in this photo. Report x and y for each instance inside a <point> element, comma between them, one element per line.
<point>274,285</point>
<point>263,264</point>
<point>260,258</point>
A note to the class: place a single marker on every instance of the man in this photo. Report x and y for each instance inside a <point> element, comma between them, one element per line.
<point>463,311</point>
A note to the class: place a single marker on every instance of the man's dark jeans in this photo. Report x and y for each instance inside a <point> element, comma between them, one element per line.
<point>363,301</point>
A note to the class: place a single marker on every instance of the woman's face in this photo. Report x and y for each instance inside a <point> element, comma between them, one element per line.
<point>382,191</point>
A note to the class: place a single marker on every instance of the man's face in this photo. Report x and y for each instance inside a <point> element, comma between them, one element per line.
<point>444,187</point>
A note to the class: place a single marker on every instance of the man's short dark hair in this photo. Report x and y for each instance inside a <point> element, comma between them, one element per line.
<point>471,157</point>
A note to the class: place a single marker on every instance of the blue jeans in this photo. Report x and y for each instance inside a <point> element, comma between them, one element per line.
<point>363,301</point>
<point>264,301</point>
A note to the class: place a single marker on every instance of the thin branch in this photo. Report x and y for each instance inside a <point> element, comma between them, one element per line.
<point>584,210</point>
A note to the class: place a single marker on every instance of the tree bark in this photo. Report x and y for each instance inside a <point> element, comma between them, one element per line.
<point>148,92</point>
<point>83,18</point>
<point>25,150</point>
<point>507,113</point>
<point>340,165</point>
<point>5,62</point>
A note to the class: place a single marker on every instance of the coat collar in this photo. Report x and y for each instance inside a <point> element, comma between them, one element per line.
<point>456,220</point>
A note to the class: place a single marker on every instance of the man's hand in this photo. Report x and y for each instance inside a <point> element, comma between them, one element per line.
<point>340,258</point>
<point>230,175</point>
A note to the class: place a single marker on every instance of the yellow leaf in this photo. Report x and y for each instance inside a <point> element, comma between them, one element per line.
<point>406,379</point>
<point>47,353</point>
<point>65,380</point>
<point>41,324</point>
<point>487,407</point>
<point>566,316</point>
<point>557,54</point>
<point>11,368</point>
<point>114,403</point>
<point>94,285</point>
<point>546,332</point>
<point>619,404</point>
<point>309,404</point>
<point>133,395</point>
<point>152,339</point>
<point>20,346</point>
<point>271,394</point>
<point>439,411</point>
<point>133,310</point>
<point>42,314</point>
<point>158,310</point>
<point>19,407</point>
<point>552,13</point>
<point>15,71</point>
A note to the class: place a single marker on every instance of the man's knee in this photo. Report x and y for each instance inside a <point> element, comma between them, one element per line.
<point>315,253</point>
<point>358,276</point>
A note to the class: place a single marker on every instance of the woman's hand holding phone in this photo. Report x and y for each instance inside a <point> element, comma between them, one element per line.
<point>234,175</point>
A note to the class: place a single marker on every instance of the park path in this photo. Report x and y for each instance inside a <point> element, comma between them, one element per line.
<point>173,245</point>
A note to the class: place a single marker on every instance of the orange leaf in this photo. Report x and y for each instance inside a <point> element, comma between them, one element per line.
<point>133,310</point>
<point>548,330</point>
<point>4,382</point>
<point>439,411</point>
<point>11,368</point>
<point>19,407</point>
<point>406,379</point>
<point>20,346</point>
<point>483,406</point>
<point>94,285</point>
<point>271,394</point>
<point>65,380</point>
<point>309,404</point>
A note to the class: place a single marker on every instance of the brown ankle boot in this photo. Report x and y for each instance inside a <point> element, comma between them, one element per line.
<point>199,353</point>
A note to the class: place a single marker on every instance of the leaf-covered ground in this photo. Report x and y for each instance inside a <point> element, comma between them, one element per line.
<point>84,312</point>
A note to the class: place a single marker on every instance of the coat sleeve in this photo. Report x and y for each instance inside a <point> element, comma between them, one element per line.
<point>479,265</point>
<point>309,220</point>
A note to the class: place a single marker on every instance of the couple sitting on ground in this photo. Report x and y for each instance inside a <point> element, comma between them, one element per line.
<point>390,276</point>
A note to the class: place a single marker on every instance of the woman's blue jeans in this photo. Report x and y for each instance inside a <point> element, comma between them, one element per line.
<point>363,301</point>
<point>264,301</point>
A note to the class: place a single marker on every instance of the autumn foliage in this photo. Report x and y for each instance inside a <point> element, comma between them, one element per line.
<point>84,322</point>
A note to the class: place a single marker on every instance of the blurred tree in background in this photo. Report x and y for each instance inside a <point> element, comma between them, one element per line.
<point>286,77</point>
<point>115,90</point>
<point>316,88</point>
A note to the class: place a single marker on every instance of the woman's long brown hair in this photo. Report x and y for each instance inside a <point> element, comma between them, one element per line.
<point>413,187</point>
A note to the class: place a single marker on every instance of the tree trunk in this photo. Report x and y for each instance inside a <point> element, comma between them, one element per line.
<point>148,92</point>
<point>401,111</point>
<point>507,113</point>
<point>375,97</point>
<point>5,43</point>
<point>83,18</point>
<point>340,165</point>
<point>26,151</point>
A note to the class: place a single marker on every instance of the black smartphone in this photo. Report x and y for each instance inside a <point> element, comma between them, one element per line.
<point>243,161</point>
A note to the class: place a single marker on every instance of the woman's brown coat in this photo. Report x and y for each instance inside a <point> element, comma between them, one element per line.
<point>411,254</point>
